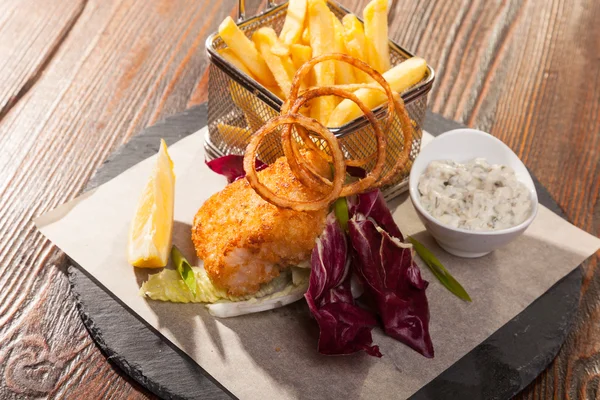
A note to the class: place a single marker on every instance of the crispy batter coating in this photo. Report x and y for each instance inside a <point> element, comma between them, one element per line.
<point>244,240</point>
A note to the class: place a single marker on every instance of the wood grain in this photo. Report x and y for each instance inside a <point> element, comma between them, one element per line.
<point>28,41</point>
<point>123,65</point>
<point>81,77</point>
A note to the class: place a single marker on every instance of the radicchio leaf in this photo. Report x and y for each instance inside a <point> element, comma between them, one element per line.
<point>344,327</point>
<point>232,166</point>
<point>372,205</point>
<point>394,283</point>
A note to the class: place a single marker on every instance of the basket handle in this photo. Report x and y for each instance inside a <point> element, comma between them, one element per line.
<point>242,9</point>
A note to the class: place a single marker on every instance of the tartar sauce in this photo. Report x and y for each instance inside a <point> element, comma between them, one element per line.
<point>474,195</point>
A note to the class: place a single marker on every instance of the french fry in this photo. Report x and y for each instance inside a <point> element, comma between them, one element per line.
<point>350,87</point>
<point>280,49</point>
<point>245,50</point>
<point>244,105</point>
<point>321,41</point>
<point>400,78</point>
<point>281,67</point>
<point>376,34</point>
<point>255,111</point>
<point>354,39</point>
<point>305,39</point>
<point>230,56</point>
<point>344,73</point>
<point>227,131</point>
<point>293,27</point>
<point>276,90</point>
<point>294,22</point>
<point>301,54</point>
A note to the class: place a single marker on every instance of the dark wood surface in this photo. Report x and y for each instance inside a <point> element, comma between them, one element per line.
<point>80,77</point>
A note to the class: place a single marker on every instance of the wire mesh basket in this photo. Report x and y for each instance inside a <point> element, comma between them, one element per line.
<point>238,105</point>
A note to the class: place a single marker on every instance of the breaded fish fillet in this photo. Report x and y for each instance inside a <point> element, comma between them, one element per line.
<point>245,241</point>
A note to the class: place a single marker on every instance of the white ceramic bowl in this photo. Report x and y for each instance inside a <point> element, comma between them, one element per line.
<point>462,145</point>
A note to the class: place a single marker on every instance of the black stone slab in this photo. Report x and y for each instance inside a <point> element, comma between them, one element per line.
<point>496,369</point>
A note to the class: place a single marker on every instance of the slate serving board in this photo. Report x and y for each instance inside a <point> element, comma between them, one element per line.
<point>498,368</point>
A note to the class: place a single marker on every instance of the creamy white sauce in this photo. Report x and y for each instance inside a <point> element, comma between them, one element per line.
<point>474,195</point>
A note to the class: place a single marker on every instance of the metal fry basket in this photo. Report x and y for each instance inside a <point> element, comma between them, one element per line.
<point>238,105</point>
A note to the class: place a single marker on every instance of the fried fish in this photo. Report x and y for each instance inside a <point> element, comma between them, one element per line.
<point>245,241</point>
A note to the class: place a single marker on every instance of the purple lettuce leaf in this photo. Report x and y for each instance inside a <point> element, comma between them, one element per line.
<point>344,327</point>
<point>373,205</point>
<point>394,283</point>
<point>232,166</point>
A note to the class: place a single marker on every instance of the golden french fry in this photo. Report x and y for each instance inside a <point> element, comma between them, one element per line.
<point>280,49</point>
<point>376,34</point>
<point>354,39</point>
<point>281,67</point>
<point>255,111</point>
<point>240,99</point>
<point>293,27</point>
<point>294,22</point>
<point>350,87</point>
<point>344,73</point>
<point>276,90</point>
<point>229,130</point>
<point>245,50</point>
<point>321,41</point>
<point>314,110</point>
<point>305,39</point>
<point>300,55</point>
<point>400,78</point>
<point>230,56</point>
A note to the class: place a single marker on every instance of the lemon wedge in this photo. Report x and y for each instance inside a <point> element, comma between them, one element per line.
<point>150,233</point>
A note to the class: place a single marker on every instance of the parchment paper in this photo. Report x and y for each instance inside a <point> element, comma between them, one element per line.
<point>273,354</point>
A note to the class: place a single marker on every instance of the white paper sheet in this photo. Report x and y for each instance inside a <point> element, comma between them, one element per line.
<point>273,354</point>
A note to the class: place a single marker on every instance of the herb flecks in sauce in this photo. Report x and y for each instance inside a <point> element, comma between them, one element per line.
<point>474,195</point>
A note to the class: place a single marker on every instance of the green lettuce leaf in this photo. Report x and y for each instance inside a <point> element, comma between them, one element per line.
<point>167,285</point>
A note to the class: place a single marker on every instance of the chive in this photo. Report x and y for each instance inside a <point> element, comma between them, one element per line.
<point>184,268</point>
<point>340,207</point>
<point>439,271</point>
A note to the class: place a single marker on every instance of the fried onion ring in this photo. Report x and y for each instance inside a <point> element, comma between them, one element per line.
<point>339,168</point>
<point>306,174</point>
<point>301,168</point>
<point>305,69</point>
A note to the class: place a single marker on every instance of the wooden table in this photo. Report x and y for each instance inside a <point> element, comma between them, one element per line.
<point>78,78</point>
